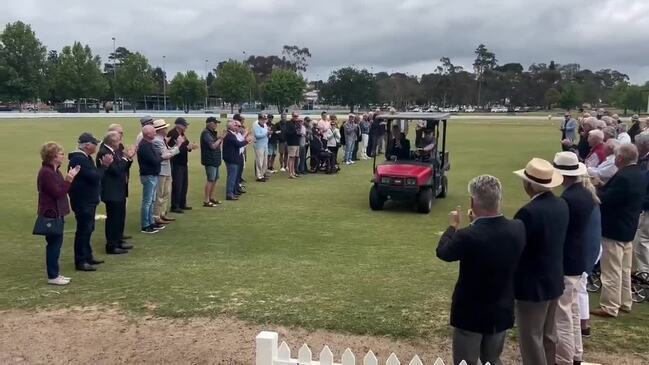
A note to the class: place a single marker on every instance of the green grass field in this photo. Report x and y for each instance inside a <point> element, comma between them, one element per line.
<point>306,253</point>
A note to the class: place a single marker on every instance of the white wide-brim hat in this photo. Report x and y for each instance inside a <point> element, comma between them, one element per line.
<point>567,164</point>
<point>541,172</point>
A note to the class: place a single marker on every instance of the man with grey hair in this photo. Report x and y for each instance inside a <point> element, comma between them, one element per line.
<point>622,134</point>
<point>609,133</point>
<point>488,250</point>
<point>641,241</point>
<point>113,192</point>
<point>621,207</point>
<point>538,280</point>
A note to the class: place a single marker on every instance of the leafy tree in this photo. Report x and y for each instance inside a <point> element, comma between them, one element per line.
<point>633,99</point>
<point>187,89</point>
<point>79,74</point>
<point>135,78</point>
<point>234,82</point>
<point>296,57</point>
<point>159,79</point>
<point>484,61</point>
<point>349,86</point>
<point>50,92</point>
<point>263,66</point>
<point>552,96</point>
<point>22,62</point>
<point>210,79</point>
<point>399,90</point>
<point>570,96</point>
<point>284,88</point>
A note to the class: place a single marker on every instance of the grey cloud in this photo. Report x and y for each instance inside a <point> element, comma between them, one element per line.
<point>410,35</point>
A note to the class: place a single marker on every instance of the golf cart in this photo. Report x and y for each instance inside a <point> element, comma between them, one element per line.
<point>418,175</point>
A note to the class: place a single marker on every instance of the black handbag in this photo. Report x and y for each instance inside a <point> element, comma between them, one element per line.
<point>46,226</point>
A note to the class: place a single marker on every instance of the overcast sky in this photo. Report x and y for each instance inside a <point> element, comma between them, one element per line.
<point>382,35</point>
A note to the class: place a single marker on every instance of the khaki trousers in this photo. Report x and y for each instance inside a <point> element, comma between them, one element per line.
<point>616,276</point>
<point>163,196</point>
<point>569,346</point>
<point>261,162</point>
<point>641,245</point>
<point>537,333</point>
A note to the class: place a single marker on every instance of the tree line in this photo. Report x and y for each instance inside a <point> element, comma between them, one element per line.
<point>29,72</point>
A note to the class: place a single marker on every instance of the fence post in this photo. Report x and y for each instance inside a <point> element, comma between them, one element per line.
<point>266,347</point>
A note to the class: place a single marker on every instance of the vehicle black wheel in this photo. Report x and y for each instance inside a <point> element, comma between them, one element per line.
<point>594,283</point>
<point>312,164</point>
<point>638,293</point>
<point>425,201</point>
<point>376,200</point>
<point>444,191</point>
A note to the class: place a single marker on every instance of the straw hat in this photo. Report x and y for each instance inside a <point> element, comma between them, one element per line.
<point>541,172</point>
<point>567,164</point>
<point>159,124</point>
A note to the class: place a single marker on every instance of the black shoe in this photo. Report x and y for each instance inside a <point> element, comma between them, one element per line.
<point>115,251</point>
<point>127,237</point>
<point>149,230</point>
<point>125,246</point>
<point>85,267</point>
<point>94,261</point>
<point>186,208</point>
<point>585,332</point>
<point>261,180</point>
<point>177,211</point>
<point>215,202</point>
<point>241,192</point>
<point>158,227</point>
<point>232,198</point>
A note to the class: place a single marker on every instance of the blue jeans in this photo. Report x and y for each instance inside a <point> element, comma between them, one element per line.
<point>52,253</point>
<point>232,185</point>
<point>349,149</point>
<point>149,187</point>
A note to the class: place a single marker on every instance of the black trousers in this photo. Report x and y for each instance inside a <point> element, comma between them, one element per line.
<point>355,154</point>
<point>85,216</point>
<point>115,221</point>
<point>179,183</point>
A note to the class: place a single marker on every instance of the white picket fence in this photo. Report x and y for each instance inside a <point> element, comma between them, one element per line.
<point>269,353</point>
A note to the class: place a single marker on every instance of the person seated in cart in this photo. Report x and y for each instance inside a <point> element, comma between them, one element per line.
<point>399,145</point>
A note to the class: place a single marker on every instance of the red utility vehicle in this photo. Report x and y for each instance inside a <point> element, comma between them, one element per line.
<point>418,175</point>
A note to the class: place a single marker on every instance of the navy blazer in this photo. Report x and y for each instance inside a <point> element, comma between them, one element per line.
<point>539,276</point>
<point>231,149</point>
<point>85,188</point>
<point>580,207</point>
<point>488,251</point>
<point>114,182</point>
<point>622,203</point>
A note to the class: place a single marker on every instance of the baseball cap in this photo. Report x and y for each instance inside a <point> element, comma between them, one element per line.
<point>212,120</point>
<point>88,138</point>
<point>181,121</point>
<point>146,120</point>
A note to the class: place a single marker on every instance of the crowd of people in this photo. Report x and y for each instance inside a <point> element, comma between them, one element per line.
<point>532,270</point>
<point>162,153</point>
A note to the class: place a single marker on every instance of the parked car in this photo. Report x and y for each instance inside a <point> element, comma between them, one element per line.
<point>498,109</point>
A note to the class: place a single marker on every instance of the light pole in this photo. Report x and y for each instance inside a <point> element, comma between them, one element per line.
<point>114,78</point>
<point>164,83</point>
<point>206,91</point>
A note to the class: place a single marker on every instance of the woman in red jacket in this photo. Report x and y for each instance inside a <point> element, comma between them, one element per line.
<point>53,202</point>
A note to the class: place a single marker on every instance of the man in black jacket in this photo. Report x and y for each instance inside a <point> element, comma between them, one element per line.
<point>538,281</point>
<point>84,196</point>
<point>575,258</point>
<point>179,171</point>
<point>621,206</point>
<point>113,193</point>
<point>635,127</point>
<point>149,160</point>
<point>232,157</point>
<point>488,250</point>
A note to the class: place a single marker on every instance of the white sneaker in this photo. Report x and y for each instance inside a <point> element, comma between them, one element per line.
<point>65,277</point>
<point>352,162</point>
<point>347,163</point>
<point>58,281</point>
<point>282,169</point>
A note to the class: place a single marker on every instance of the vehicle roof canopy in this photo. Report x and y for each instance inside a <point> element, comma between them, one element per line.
<point>414,116</point>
